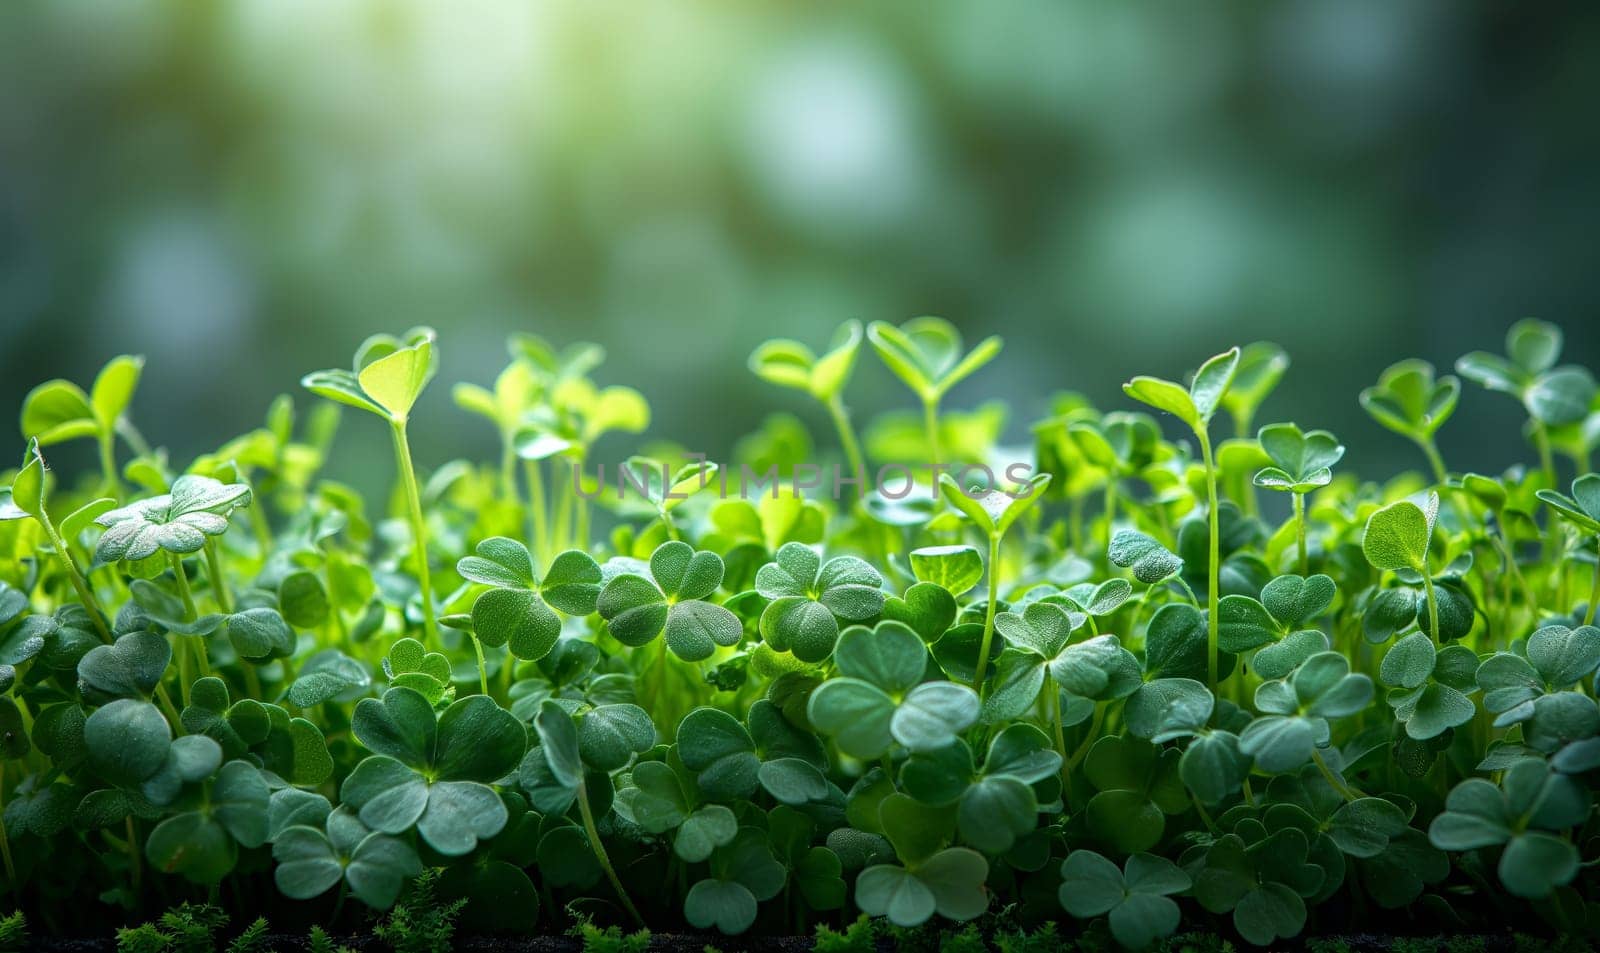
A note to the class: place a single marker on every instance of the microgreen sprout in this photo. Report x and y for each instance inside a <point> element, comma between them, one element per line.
<point>526,699</point>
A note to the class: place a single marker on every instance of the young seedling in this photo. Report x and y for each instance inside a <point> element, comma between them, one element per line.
<point>793,365</point>
<point>1553,396</point>
<point>1195,406</point>
<point>1408,401</point>
<point>1262,365</point>
<point>926,354</point>
<point>390,374</point>
<point>993,512</point>
<point>1582,510</point>
<point>1397,537</point>
<point>745,727</point>
<point>1302,462</point>
<point>57,411</point>
<point>26,498</point>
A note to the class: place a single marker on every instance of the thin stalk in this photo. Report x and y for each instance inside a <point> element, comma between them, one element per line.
<point>508,675</point>
<point>219,582</point>
<point>1053,712</point>
<point>483,668</point>
<point>538,518</point>
<point>185,674</point>
<point>988,612</point>
<point>660,679</point>
<point>1345,791</point>
<point>135,861</point>
<point>600,853</point>
<point>190,613</point>
<point>79,583</point>
<point>930,423</point>
<point>1088,739</point>
<point>1435,462</point>
<point>508,471</point>
<point>338,904</point>
<point>1547,464</point>
<point>1300,531</point>
<point>847,440</point>
<point>169,709</point>
<point>561,532</point>
<point>5,842</point>
<point>1515,570</point>
<point>1594,591</point>
<point>1214,556</point>
<point>1433,606</point>
<point>419,533</point>
<point>1111,508</point>
<point>580,506</point>
<point>108,464</point>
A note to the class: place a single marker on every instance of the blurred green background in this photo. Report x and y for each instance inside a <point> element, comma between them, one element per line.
<point>243,191</point>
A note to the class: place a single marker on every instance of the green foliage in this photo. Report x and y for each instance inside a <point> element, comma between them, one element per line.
<point>1138,688</point>
<point>422,923</point>
<point>610,939</point>
<point>14,932</point>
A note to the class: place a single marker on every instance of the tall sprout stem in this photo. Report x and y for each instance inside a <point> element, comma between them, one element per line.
<point>538,516</point>
<point>600,854</point>
<point>1594,589</point>
<point>80,585</point>
<point>108,464</point>
<point>190,613</point>
<point>1300,531</point>
<point>847,440</point>
<point>1433,605</point>
<point>219,582</point>
<point>1435,462</point>
<point>1547,465</point>
<point>1213,556</point>
<point>930,423</point>
<point>419,533</point>
<point>483,668</point>
<point>988,612</point>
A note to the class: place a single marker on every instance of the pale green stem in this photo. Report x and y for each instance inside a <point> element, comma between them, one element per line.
<point>847,440</point>
<point>508,471</point>
<point>1111,507</point>
<point>198,648</point>
<point>561,532</point>
<point>1088,739</point>
<point>1214,555</point>
<point>1433,605</point>
<point>190,613</point>
<point>1345,791</point>
<point>1053,708</point>
<point>219,582</point>
<point>509,676</point>
<point>483,668</point>
<point>79,584</point>
<point>1547,463</point>
<point>1300,531</point>
<point>538,517</point>
<point>419,533</point>
<point>108,464</point>
<point>1435,462</point>
<point>930,423</point>
<point>600,853</point>
<point>1594,591</point>
<point>988,612</point>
